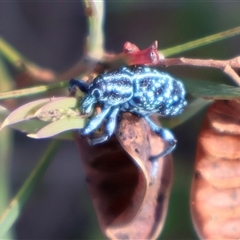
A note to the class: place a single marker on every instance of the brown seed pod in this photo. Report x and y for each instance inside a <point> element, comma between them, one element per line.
<point>215,196</point>
<point>118,178</point>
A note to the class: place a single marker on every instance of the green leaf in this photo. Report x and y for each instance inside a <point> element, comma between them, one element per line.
<point>192,108</point>
<point>58,103</point>
<point>3,113</point>
<point>205,92</point>
<point>6,147</point>
<point>34,117</point>
<point>212,90</point>
<point>24,112</point>
<point>201,42</point>
<point>59,126</point>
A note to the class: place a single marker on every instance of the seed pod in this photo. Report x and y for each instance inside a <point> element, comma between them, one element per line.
<point>215,195</point>
<point>118,175</point>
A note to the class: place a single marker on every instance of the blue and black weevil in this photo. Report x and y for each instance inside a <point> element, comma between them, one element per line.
<point>140,90</point>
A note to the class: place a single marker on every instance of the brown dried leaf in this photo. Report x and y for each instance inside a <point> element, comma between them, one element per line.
<point>118,178</point>
<point>215,195</point>
<point>112,179</point>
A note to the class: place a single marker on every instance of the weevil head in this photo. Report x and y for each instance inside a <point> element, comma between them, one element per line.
<point>93,96</point>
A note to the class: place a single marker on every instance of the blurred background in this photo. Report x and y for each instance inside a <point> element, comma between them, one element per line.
<point>52,34</point>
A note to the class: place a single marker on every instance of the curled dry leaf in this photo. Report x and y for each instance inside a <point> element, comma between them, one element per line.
<point>215,196</point>
<point>118,178</point>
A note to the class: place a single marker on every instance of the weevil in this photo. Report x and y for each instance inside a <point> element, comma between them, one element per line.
<point>140,90</point>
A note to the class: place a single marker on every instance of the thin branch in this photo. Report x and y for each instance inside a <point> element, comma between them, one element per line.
<point>221,64</point>
<point>230,72</point>
<point>227,66</point>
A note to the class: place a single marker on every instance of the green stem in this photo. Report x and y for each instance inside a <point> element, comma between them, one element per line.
<point>6,146</point>
<point>13,56</point>
<point>95,15</point>
<point>13,211</point>
<point>32,91</point>
<point>201,42</point>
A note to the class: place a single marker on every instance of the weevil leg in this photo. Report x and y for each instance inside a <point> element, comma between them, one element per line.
<point>82,85</point>
<point>168,137</point>
<point>112,120</point>
<point>109,129</point>
<point>94,122</point>
<point>164,134</point>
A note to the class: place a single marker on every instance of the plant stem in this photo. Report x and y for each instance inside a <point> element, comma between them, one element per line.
<point>13,211</point>
<point>6,146</point>
<point>94,10</point>
<point>201,42</point>
<point>32,90</point>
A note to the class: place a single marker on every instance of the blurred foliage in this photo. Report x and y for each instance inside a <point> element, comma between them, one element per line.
<point>52,34</point>
<point>5,149</point>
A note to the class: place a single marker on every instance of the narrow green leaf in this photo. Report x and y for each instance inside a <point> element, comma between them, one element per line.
<point>11,54</point>
<point>59,126</point>
<point>212,90</point>
<point>34,125</point>
<point>201,42</point>
<point>6,147</point>
<point>29,126</point>
<point>14,209</point>
<point>32,90</point>
<point>58,103</point>
<point>16,59</point>
<point>34,117</point>
<point>24,112</point>
<point>3,113</point>
<point>192,108</point>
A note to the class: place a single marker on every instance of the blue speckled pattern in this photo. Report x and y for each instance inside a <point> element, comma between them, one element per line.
<point>155,92</point>
<point>140,90</point>
<point>115,87</point>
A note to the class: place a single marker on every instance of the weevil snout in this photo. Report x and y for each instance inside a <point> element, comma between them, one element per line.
<point>87,104</point>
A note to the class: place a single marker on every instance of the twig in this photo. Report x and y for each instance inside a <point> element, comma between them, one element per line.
<point>234,62</point>
<point>226,66</point>
<point>229,71</point>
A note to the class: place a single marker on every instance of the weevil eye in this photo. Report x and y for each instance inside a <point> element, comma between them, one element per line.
<point>96,93</point>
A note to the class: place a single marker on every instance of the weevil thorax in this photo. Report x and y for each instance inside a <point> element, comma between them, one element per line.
<point>109,89</point>
<point>112,88</point>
